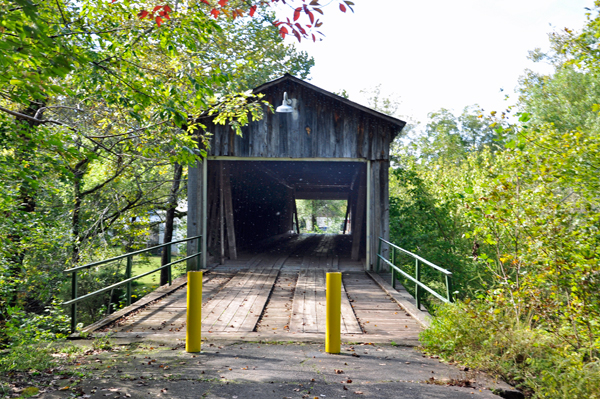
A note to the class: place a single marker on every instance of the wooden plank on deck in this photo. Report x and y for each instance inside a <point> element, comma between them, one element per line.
<point>309,306</point>
<point>239,305</point>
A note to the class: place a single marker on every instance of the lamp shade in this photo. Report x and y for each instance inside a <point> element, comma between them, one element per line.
<point>285,107</point>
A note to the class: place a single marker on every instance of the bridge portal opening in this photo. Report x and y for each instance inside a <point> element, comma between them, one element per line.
<point>318,216</point>
<point>251,201</point>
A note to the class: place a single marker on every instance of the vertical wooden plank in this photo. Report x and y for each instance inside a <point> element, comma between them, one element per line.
<point>194,211</point>
<point>290,208</point>
<point>359,218</point>
<point>373,215</point>
<point>229,212</point>
<point>385,206</point>
<point>213,205</point>
<point>296,217</point>
<point>221,215</point>
<point>347,214</point>
<point>203,215</point>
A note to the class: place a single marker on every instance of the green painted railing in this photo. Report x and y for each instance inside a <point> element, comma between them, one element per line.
<point>417,278</point>
<point>128,278</point>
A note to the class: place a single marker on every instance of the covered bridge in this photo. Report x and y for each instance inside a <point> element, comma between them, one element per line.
<point>324,147</point>
<point>262,279</point>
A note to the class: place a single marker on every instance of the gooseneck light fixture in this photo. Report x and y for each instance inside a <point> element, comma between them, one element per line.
<point>285,107</point>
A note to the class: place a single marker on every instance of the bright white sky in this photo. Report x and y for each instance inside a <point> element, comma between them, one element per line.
<point>436,53</point>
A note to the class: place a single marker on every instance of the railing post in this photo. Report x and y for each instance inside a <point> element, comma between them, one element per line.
<point>418,278</point>
<point>198,252</point>
<point>74,305</point>
<point>127,276</point>
<point>449,288</point>
<point>393,270</point>
<point>378,255</point>
<point>169,270</point>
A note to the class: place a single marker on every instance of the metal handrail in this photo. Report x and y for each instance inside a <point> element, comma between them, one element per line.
<point>417,278</point>
<point>141,251</point>
<point>128,278</point>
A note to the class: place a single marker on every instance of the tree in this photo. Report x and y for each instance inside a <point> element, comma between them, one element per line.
<point>533,208</point>
<point>97,102</point>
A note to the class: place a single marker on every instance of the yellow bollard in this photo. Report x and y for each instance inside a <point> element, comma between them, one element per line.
<point>193,332</point>
<point>334,307</point>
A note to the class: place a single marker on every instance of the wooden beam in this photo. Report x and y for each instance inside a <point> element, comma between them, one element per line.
<point>370,220</point>
<point>229,212</point>
<point>221,214</point>
<point>359,217</point>
<point>312,159</point>
<point>272,175</point>
<point>213,206</point>
<point>289,211</point>
<point>347,213</point>
<point>194,215</point>
<point>204,215</point>
<point>314,195</point>
<point>296,216</point>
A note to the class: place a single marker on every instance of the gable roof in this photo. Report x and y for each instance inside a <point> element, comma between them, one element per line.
<point>287,77</point>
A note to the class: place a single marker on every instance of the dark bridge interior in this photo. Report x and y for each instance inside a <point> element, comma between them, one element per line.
<point>251,201</point>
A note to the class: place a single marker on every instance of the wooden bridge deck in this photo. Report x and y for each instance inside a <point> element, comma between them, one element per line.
<point>280,289</point>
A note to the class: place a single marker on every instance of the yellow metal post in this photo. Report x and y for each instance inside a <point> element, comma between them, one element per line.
<point>334,307</point>
<point>193,334</point>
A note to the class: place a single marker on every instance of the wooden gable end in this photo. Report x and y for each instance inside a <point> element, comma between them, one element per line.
<point>322,126</point>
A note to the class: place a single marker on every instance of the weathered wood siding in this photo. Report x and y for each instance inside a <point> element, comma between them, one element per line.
<point>319,127</point>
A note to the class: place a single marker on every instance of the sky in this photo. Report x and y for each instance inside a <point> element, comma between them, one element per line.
<point>436,53</point>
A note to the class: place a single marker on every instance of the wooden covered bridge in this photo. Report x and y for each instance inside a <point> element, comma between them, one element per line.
<point>263,277</point>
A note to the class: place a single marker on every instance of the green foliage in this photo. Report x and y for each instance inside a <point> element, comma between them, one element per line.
<point>23,328</point>
<point>532,213</point>
<point>428,203</point>
<point>483,335</point>
<point>95,106</point>
<point>28,357</point>
<point>333,211</point>
<point>102,343</point>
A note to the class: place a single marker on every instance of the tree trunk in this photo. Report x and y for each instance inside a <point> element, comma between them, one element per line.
<point>170,218</point>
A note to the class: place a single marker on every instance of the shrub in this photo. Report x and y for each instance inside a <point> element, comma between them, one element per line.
<point>482,335</point>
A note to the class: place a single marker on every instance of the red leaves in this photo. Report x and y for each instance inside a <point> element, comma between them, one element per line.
<point>295,26</point>
<point>306,29</point>
<point>163,12</point>
<point>283,31</point>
